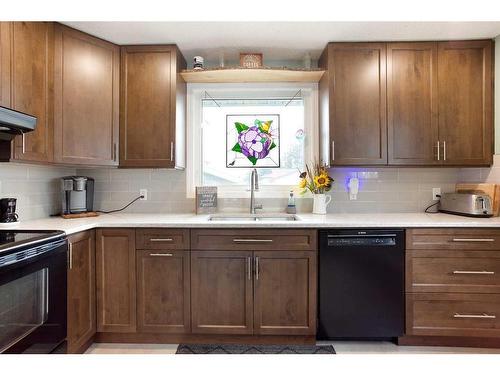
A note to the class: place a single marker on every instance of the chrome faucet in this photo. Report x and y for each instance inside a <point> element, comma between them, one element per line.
<point>254,186</point>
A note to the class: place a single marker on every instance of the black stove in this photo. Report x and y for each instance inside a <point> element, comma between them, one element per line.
<point>33,280</point>
<point>14,239</point>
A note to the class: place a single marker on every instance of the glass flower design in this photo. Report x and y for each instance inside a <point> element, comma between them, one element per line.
<point>254,141</point>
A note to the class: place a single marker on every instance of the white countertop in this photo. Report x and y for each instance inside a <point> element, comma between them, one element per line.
<point>403,220</point>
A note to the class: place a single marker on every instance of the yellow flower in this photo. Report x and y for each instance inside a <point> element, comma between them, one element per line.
<point>265,126</point>
<point>321,180</point>
<point>302,183</point>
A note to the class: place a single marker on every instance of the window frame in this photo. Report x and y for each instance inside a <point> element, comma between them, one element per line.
<point>195,94</point>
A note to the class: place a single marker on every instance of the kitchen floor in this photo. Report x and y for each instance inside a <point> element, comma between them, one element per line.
<point>341,347</point>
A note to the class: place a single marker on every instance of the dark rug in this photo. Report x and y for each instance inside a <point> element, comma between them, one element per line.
<point>253,349</point>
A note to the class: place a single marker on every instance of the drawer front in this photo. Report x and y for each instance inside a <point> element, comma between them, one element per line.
<point>253,239</point>
<point>453,271</point>
<point>159,238</point>
<point>460,239</point>
<point>451,314</point>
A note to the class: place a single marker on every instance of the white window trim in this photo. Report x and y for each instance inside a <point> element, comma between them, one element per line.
<point>195,94</point>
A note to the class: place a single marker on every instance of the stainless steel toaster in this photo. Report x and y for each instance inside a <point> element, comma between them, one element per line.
<point>466,204</point>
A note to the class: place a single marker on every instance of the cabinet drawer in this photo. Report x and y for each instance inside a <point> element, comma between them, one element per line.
<point>453,271</point>
<point>438,314</point>
<point>253,239</point>
<point>159,238</point>
<point>461,239</point>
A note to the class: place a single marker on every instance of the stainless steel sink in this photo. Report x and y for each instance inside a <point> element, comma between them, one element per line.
<point>253,217</point>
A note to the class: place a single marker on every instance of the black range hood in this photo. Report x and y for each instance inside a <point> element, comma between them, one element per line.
<point>13,123</point>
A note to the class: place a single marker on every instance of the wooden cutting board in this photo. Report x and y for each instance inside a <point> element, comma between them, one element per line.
<point>80,215</point>
<point>493,190</point>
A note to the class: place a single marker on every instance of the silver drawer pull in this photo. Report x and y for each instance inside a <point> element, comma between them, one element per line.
<point>473,272</point>
<point>250,240</point>
<point>161,255</point>
<point>161,239</point>
<point>475,316</point>
<point>473,240</point>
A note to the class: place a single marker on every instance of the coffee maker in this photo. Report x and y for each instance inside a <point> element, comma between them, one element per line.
<point>8,210</point>
<point>77,194</point>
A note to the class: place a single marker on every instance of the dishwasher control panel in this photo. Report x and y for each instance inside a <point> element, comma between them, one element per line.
<point>361,241</point>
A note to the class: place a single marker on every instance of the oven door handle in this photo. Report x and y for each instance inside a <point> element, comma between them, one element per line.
<point>30,254</point>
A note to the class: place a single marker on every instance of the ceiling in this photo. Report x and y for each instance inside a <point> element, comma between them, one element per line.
<point>277,40</point>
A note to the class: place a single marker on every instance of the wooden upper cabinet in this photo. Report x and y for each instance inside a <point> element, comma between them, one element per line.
<point>465,102</point>
<point>152,107</point>
<point>5,36</point>
<point>116,280</point>
<point>81,291</point>
<point>356,115</point>
<point>32,51</point>
<point>412,103</point>
<point>86,99</point>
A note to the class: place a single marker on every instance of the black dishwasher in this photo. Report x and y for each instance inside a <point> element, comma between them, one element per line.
<point>361,284</point>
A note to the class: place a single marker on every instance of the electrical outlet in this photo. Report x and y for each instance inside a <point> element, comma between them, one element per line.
<point>144,193</point>
<point>435,193</point>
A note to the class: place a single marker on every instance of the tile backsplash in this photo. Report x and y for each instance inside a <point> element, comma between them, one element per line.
<point>37,188</point>
<point>381,190</point>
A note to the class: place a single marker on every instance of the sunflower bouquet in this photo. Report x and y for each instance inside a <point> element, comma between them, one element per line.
<point>315,179</point>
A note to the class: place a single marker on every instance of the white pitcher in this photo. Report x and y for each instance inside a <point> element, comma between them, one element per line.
<point>320,202</point>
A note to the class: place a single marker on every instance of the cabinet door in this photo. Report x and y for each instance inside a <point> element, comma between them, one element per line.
<point>358,126</point>
<point>465,102</point>
<point>5,36</point>
<point>148,106</point>
<point>116,290</point>
<point>32,87</point>
<point>163,293</point>
<point>81,291</point>
<point>285,293</point>
<point>86,99</point>
<point>221,292</point>
<point>412,103</point>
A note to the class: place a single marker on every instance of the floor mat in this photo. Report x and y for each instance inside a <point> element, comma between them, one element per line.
<point>253,349</point>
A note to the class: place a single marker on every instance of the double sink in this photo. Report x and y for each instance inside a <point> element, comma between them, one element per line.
<point>253,217</point>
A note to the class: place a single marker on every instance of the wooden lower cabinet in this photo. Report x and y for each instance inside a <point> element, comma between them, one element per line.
<point>81,291</point>
<point>163,291</point>
<point>285,293</point>
<point>260,292</point>
<point>221,292</point>
<point>452,287</point>
<point>116,280</point>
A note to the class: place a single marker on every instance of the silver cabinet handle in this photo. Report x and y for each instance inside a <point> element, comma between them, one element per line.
<point>114,151</point>
<point>475,316</point>
<point>250,240</point>
<point>161,255</point>
<point>473,272</point>
<point>438,150</point>
<point>161,239</point>
<point>333,150</point>
<point>171,151</point>
<point>257,268</point>
<point>444,150</point>
<point>249,268</point>
<point>23,143</point>
<point>473,240</point>
<point>70,260</point>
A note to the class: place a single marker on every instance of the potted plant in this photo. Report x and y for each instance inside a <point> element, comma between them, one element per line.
<point>316,180</point>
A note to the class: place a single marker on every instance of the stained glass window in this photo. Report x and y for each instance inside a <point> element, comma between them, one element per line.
<point>241,134</point>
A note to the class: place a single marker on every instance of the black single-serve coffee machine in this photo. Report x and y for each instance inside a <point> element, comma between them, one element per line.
<point>8,210</point>
<point>77,194</point>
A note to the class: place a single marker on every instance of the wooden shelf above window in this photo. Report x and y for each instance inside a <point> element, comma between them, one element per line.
<point>247,75</point>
